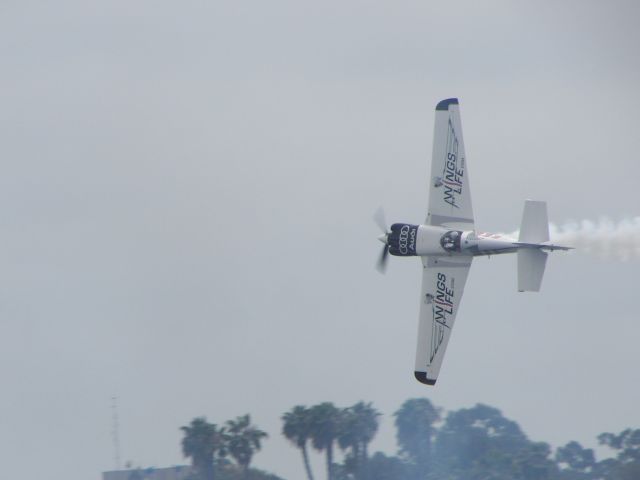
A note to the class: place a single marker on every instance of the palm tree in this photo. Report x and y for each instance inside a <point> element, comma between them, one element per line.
<point>325,421</point>
<point>201,441</point>
<point>297,428</point>
<point>358,427</point>
<point>415,431</point>
<point>367,425</point>
<point>348,441</point>
<point>243,440</point>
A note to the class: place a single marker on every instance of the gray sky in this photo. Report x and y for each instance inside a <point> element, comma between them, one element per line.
<point>187,191</point>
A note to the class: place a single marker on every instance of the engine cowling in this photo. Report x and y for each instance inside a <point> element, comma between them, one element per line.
<point>407,240</point>
<point>403,239</point>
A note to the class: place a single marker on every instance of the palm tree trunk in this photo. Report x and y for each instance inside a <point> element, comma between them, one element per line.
<point>209,471</point>
<point>330,461</point>
<point>355,450</point>
<point>364,461</point>
<point>305,459</point>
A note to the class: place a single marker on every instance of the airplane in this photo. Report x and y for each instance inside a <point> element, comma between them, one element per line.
<point>448,241</point>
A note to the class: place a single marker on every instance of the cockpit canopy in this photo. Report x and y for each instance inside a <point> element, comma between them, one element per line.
<point>450,241</point>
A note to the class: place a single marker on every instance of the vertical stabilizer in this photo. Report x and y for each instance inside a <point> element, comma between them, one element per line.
<point>532,261</point>
<point>535,224</point>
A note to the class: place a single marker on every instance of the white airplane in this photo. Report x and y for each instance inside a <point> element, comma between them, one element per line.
<point>448,241</point>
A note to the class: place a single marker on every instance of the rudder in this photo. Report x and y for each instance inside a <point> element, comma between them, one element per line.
<point>534,230</point>
<point>535,223</point>
<point>531,263</point>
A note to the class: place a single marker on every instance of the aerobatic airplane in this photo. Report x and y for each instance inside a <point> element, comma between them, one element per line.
<point>448,241</point>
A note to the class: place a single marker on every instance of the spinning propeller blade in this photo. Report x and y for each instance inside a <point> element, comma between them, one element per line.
<point>380,220</point>
<point>381,266</point>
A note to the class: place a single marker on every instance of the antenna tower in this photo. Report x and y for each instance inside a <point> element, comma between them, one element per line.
<point>115,432</point>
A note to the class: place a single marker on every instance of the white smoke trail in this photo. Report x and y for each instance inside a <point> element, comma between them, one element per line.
<point>605,238</point>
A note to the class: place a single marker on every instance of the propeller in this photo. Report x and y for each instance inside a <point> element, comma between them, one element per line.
<point>379,218</point>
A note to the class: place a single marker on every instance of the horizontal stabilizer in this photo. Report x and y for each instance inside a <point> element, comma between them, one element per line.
<point>544,246</point>
<point>531,263</point>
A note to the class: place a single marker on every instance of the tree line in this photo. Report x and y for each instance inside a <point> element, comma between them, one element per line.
<point>209,447</point>
<point>476,443</point>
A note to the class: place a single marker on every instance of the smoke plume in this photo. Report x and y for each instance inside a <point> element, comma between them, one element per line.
<point>605,238</point>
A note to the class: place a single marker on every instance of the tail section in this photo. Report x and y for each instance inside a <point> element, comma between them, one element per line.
<point>531,263</point>
<point>534,231</point>
<point>535,224</point>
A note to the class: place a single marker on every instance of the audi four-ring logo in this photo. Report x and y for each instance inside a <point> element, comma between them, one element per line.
<point>403,241</point>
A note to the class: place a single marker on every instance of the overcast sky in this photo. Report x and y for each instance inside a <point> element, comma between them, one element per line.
<point>186,194</point>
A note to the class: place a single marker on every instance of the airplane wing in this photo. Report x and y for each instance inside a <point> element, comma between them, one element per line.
<point>449,196</point>
<point>443,280</point>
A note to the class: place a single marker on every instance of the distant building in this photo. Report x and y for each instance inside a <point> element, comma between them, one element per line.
<point>180,472</point>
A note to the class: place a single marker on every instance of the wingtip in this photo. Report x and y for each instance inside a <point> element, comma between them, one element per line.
<point>444,104</point>
<point>422,378</point>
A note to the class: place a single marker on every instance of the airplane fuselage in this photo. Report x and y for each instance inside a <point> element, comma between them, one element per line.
<point>448,241</point>
<point>426,240</point>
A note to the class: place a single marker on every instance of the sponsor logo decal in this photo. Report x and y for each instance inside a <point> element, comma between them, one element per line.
<point>407,239</point>
<point>442,308</point>
<point>453,173</point>
<point>403,239</point>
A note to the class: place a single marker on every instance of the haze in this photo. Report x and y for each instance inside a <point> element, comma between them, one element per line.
<point>187,191</point>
